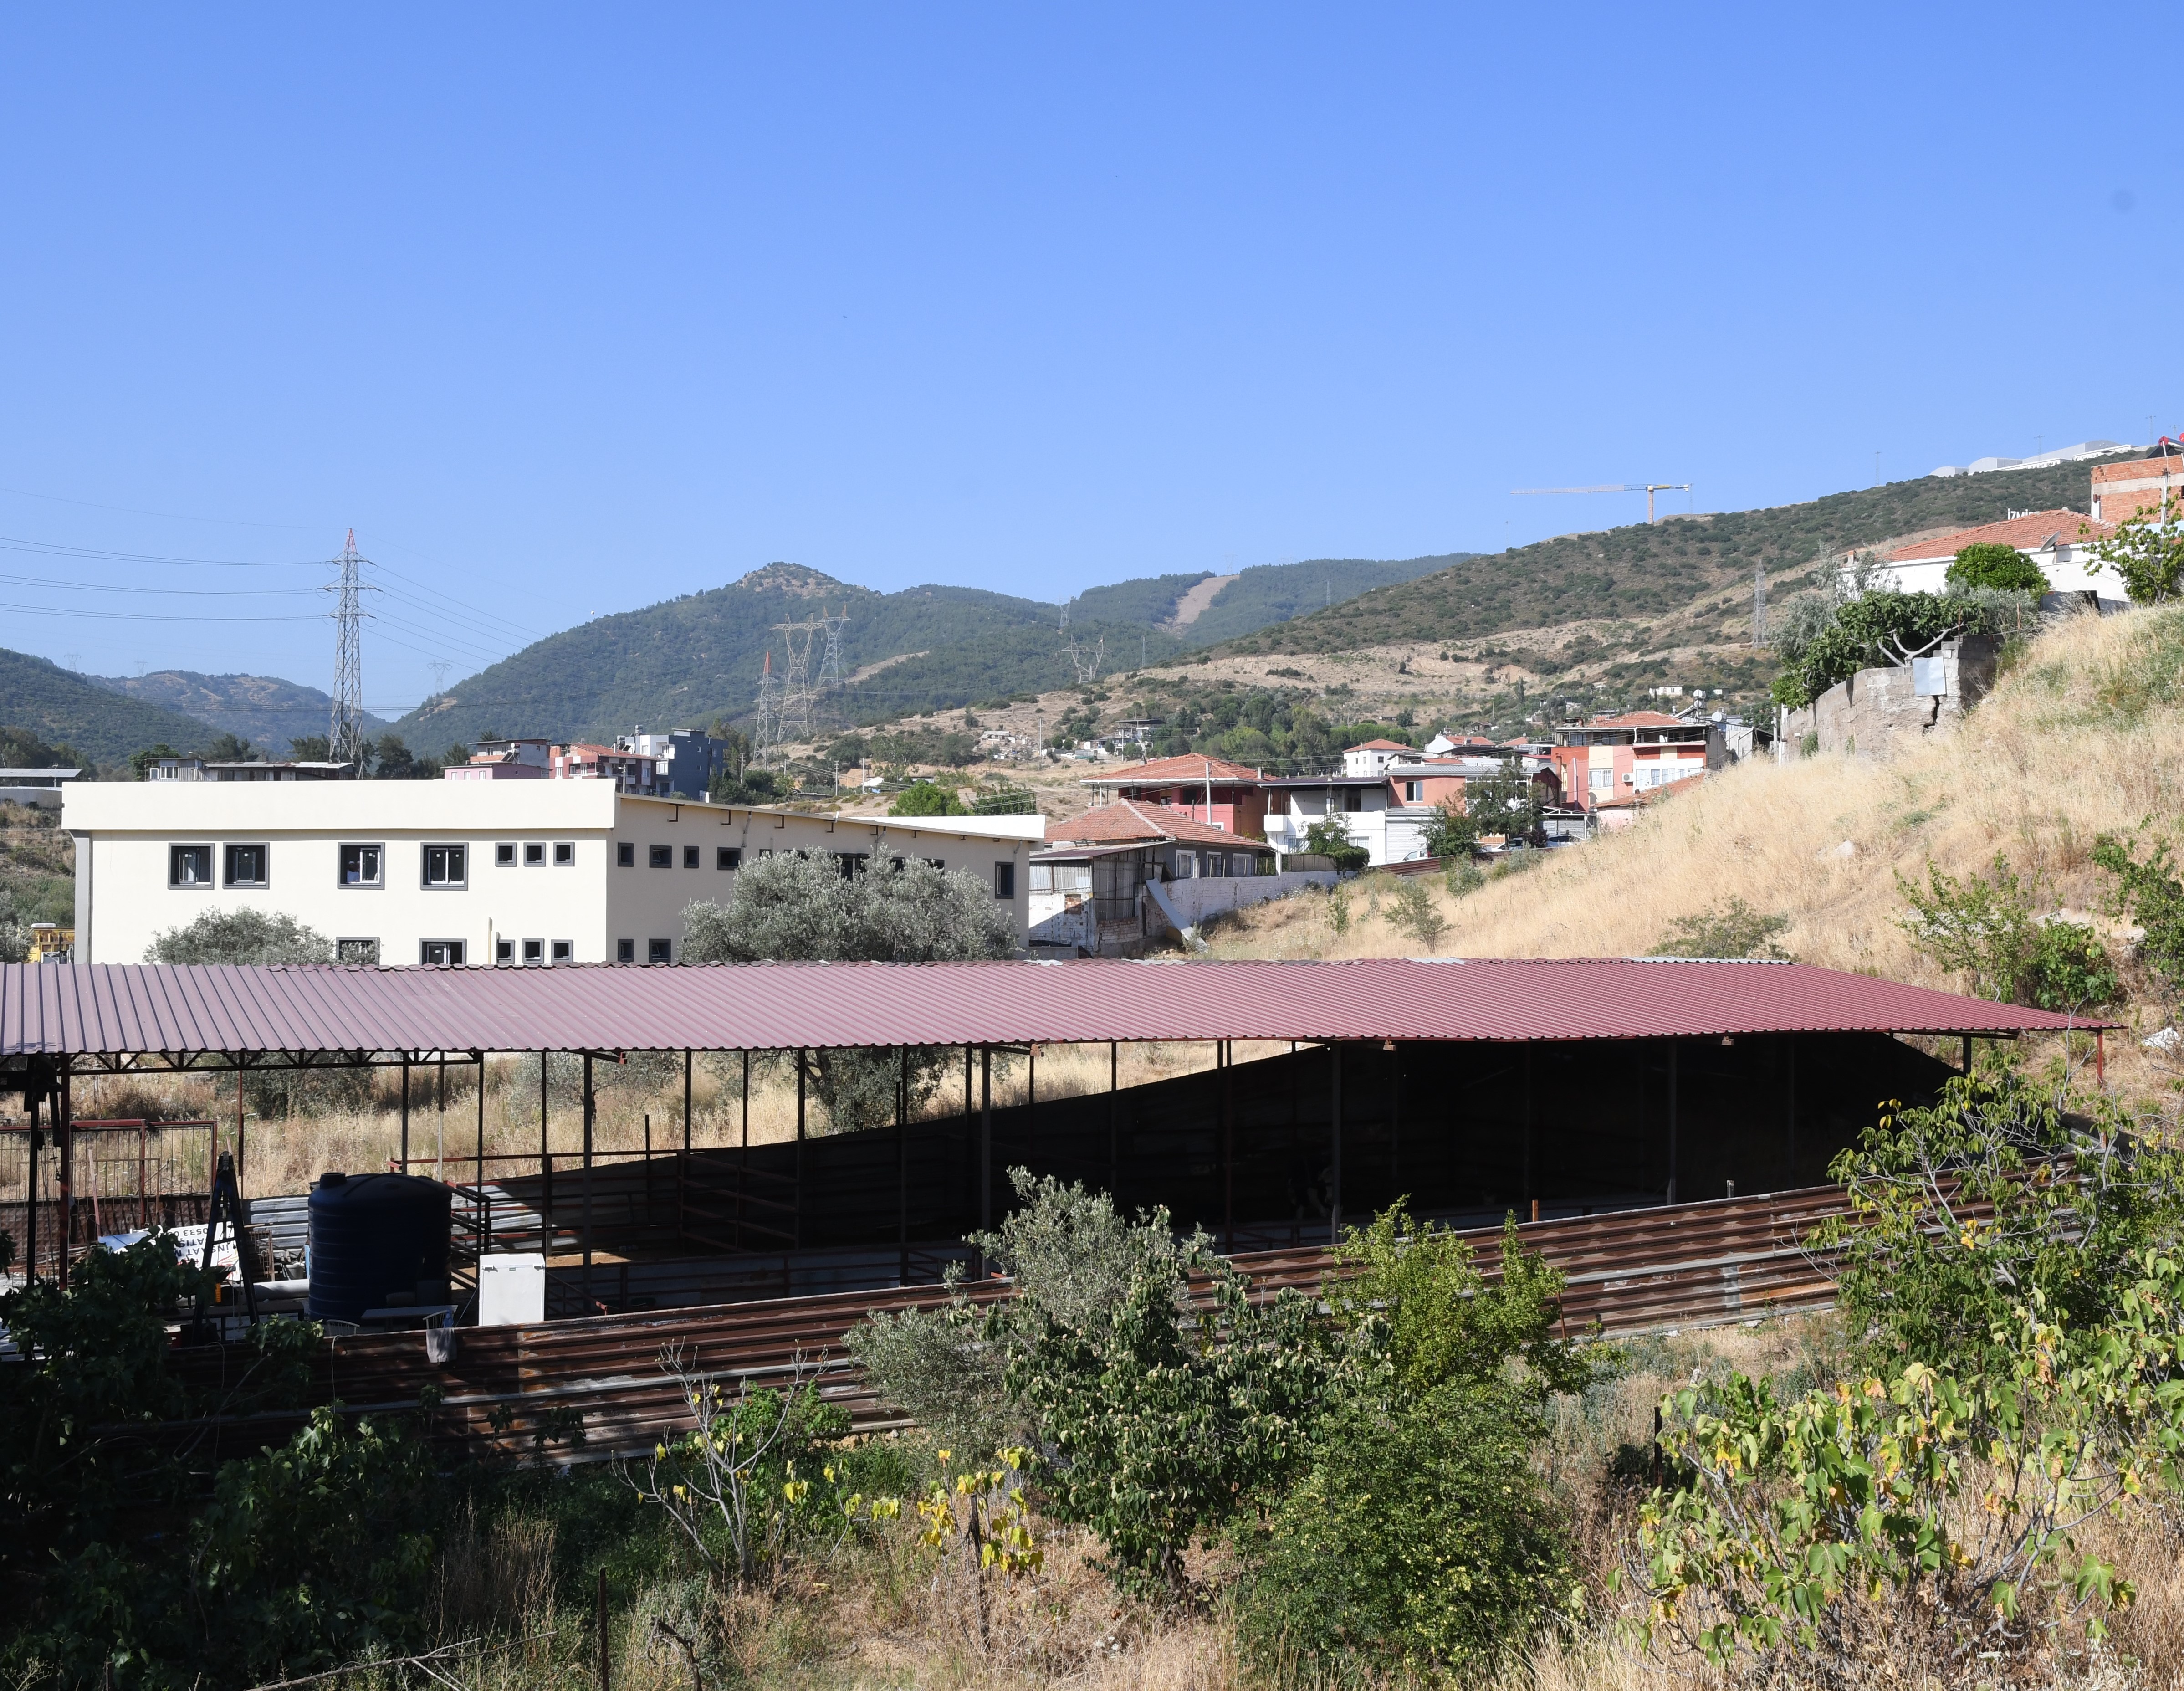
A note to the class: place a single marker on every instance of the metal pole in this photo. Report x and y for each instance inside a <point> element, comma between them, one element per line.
<point>440,1160</point>
<point>743,1170</point>
<point>143,1159</point>
<point>239,1077</point>
<point>405,1115</point>
<point>682,1171</point>
<point>1114,1117</point>
<point>30,1209</point>
<point>545,1166</point>
<point>484,1208</point>
<point>985,1139</point>
<point>1792,1041</point>
<point>902,1167</point>
<point>64,1125</point>
<point>1031,1101</point>
<point>1673,1122</point>
<point>1395,1122</point>
<point>585,1223</point>
<point>1526,1193</point>
<point>1228,1150</point>
<point>797,1232</point>
<point>1334,1165</point>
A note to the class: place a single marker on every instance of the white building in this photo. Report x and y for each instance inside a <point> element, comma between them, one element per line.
<point>466,873</point>
<point>2060,541</point>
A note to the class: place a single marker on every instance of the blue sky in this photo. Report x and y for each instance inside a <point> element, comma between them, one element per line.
<point>569,310</point>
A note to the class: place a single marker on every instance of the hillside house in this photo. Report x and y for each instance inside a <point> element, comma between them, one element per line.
<point>2149,485</point>
<point>1097,888</point>
<point>1611,758</point>
<point>242,769</point>
<point>1207,789</point>
<point>2059,541</point>
<point>505,759</point>
<point>1374,755</point>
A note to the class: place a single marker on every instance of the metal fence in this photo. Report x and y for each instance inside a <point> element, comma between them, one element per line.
<point>126,1175</point>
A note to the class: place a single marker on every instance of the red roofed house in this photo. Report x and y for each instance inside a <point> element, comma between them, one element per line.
<point>1374,755</point>
<point>1095,887</point>
<point>1207,789</point>
<point>1613,759</point>
<point>2059,541</point>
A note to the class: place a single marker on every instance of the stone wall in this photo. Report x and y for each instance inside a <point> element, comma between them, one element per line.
<point>1878,711</point>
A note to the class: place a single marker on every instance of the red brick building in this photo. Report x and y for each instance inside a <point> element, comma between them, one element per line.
<point>1207,789</point>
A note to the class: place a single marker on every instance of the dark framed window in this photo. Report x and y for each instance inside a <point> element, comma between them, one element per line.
<point>534,854</point>
<point>661,856</point>
<point>690,857</point>
<point>727,856</point>
<point>363,865</point>
<point>440,953</point>
<point>851,863</point>
<point>625,950</point>
<point>504,951</point>
<point>189,866</point>
<point>564,951</point>
<point>1004,880</point>
<point>504,855</point>
<point>356,951</point>
<point>565,854</point>
<point>658,951</point>
<point>534,950</point>
<point>625,855</point>
<point>246,865</point>
<point>447,865</point>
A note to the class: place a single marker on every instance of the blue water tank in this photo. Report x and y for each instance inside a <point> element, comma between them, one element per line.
<point>375,1240</point>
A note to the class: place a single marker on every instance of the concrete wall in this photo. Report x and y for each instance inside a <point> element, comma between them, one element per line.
<point>1876,711</point>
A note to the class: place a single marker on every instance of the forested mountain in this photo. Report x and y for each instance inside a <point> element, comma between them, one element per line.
<point>1649,569</point>
<point>59,705</point>
<point>263,710</point>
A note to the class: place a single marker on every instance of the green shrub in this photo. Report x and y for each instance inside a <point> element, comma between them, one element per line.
<point>1984,926</point>
<point>2003,569</point>
<point>929,798</point>
<point>1413,912</point>
<point>241,936</point>
<point>1732,929</point>
<point>1327,839</point>
<point>2148,891</point>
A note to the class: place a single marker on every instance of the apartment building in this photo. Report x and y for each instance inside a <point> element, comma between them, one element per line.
<point>467,873</point>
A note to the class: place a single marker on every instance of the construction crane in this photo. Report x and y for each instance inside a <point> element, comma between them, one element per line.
<point>1648,489</point>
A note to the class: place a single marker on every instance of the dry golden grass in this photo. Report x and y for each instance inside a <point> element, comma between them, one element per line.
<point>2086,735</point>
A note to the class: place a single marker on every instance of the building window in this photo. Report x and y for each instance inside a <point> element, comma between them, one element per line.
<point>504,855</point>
<point>356,951</point>
<point>565,854</point>
<point>1004,880</point>
<point>656,950</point>
<point>246,866</point>
<point>363,865</point>
<point>625,950</point>
<point>1410,792</point>
<point>728,858</point>
<point>625,855</point>
<point>504,951</point>
<point>851,863</point>
<point>447,865</point>
<point>534,854</point>
<point>534,950</point>
<point>189,866</point>
<point>1600,780</point>
<point>690,857</point>
<point>440,953</point>
<point>563,951</point>
<point>661,856</point>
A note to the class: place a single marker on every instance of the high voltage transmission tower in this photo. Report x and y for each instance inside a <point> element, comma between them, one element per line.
<point>345,730</point>
<point>788,704</point>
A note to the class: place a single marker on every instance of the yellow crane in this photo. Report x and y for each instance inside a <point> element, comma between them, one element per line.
<point>1649,488</point>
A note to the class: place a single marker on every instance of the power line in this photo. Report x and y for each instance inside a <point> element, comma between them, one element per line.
<point>14,543</point>
<point>170,516</point>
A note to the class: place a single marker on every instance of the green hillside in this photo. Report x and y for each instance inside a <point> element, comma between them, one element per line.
<point>55,704</point>
<point>1276,593</point>
<point>1649,570</point>
<point>263,710</point>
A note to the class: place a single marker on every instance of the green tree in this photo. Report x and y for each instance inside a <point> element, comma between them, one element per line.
<point>1990,564</point>
<point>228,748</point>
<point>1984,926</point>
<point>1327,838</point>
<point>2148,891</point>
<point>241,936</point>
<point>815,907</point>
<point>929,798</point>
<point>391,760</point>
<point>1731,928</point>
<point>140,762</point>
<point>1875,628</point>
<point>310,748</point>
<point>1412,911</point>
<point>1506,802</point>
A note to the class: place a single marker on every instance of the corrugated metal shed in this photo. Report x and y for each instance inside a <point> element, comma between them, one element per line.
<point>52,1009</point>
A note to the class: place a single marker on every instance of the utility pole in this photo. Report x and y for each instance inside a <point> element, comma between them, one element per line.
<point>345,730</point>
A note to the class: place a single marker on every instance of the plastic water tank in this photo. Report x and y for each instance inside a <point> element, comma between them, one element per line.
<point>375,1240</point>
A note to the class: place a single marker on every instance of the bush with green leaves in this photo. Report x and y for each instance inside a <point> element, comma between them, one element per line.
<point>1990,564</point>
<point>1877,627</point>
<point>1506,803</point>
<point>1412,911</point>
<point>1420,1536</point>
<point>241,936</point>
<point>2148,891</point>
<point>806,906</point>
<point>1957,1211</point>
<point>1984,926</point>
<point>1730,929</point>
<point>1921,1521</point>
<point>2146,554</point>
<point>1327,838</point>
<point>928,798</point>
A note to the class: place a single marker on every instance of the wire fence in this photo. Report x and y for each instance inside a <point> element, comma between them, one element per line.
<point>126,1175</point>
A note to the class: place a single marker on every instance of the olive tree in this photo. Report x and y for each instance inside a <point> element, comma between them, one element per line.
<point>815,907</point>
<point>241,936</point>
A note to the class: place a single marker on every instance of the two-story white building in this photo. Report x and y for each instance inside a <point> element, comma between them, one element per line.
<point>466,873</point>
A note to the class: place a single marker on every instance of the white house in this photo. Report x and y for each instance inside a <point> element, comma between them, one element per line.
<point>462,872</point>
<point>2060,541</point>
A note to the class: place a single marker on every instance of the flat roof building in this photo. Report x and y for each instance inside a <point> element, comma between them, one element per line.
<point>466,873</point>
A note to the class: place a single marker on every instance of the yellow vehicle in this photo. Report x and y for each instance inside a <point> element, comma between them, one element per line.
<point>50,942</point>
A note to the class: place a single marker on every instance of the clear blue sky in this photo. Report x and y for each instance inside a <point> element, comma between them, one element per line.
<point>570,310</point>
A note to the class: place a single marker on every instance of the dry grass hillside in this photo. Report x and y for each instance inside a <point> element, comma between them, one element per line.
<point>2084,735</point>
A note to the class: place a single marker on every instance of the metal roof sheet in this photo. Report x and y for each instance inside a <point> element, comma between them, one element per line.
<point>53,1008</point>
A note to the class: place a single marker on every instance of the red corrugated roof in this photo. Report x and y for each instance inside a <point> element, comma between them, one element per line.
<point>1129,819</point>
<point>1172,770</point>
<point>2027,534</point>
<point>121,1007</point>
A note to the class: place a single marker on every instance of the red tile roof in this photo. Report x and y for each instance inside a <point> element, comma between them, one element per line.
<point>1174,771</point>
<point>1379,746</point>
<point>2028,534</point>
<point>1128,819</point>
<point>1639,719</point>
<point>57,1008</point>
